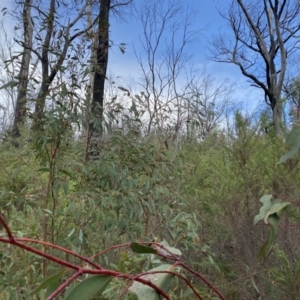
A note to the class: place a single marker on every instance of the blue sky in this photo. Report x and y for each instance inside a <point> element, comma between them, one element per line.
<point>210,23</point>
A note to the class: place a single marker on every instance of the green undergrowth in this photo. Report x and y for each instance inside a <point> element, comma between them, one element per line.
<point>228,175</point>
<point>201,198</point>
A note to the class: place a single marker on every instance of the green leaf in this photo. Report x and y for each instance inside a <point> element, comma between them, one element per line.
<point>289,154</point>
<point>86,71</point>
<point>48,211</point>
<point>267,246</point>
<point>164,243</point>
<point>65,172</point>
<point>161,280</point>
<point>212,261</point>
<point>71,232</point>
<point>48,283</point>
<point>164,252</point>
<point>123,89</point>
<point>293,137</point>
<point>276,208</point>
<point>138,248</point>
<point>64,91</point>
<point>55,53</point>
<point>89,288</point>
<point>9,84</point>
<point>254,285</point>
<point>166,144</point>
<point>266,201</point>
<point>69,289</point>
<point>293,140</point>
<point>65,187</point>
<point>15,172</point>
<point>80,236</point>
<point>52,287</point>
<point>270,213</point>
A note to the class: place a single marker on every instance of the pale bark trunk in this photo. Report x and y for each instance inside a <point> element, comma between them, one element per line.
<point>20,109</point>
<point>85,130</point>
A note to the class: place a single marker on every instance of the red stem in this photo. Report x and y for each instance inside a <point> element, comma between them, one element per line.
<point>172,273</point>
<point>61,249</point>
<point>64,285</point>
<point>203,279</point>
<point>100,271</point>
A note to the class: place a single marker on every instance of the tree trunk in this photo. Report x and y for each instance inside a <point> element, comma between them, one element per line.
<point>277,118</point>
<point>20,109</point>
<point>40,102</point>
<point>264,37</point>
<point>100,69</point>
<point>48,77</point>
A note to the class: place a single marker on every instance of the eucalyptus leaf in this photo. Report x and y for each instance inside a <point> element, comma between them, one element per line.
<point>138,248</point>
<point>293,140</point>
<point>10,84</point>
<point>171,250</point>
<point>49,282</point>
<point>89,288</point>
<point>267,246</point>
<point>277,208</point>
<point>161,280</point>
<point>266,201</point>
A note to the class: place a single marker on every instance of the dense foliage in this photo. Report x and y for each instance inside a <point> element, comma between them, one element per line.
<point>165,191</point>
<point>200,197</point>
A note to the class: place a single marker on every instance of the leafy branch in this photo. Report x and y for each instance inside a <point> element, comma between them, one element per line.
<point>140,285</point>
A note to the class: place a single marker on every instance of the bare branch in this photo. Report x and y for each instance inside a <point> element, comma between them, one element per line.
<point>264,37</point>
<point>121,4</point>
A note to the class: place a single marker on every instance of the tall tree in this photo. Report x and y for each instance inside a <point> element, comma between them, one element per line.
<point>264,37</point>
<point>57,41</point>
<point>8,73</point>
<point>20,108</point>
<point>100,67</point>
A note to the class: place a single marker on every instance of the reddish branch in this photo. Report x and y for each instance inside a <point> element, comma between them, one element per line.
<point>61,249</point>
<point>174,274</point>
<point>19,242</point>
<point>65,284</point>
<point>183,265</point>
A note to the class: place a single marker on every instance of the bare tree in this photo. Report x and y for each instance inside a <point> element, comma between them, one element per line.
<point>167,30</point>
<point>264,38</point>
